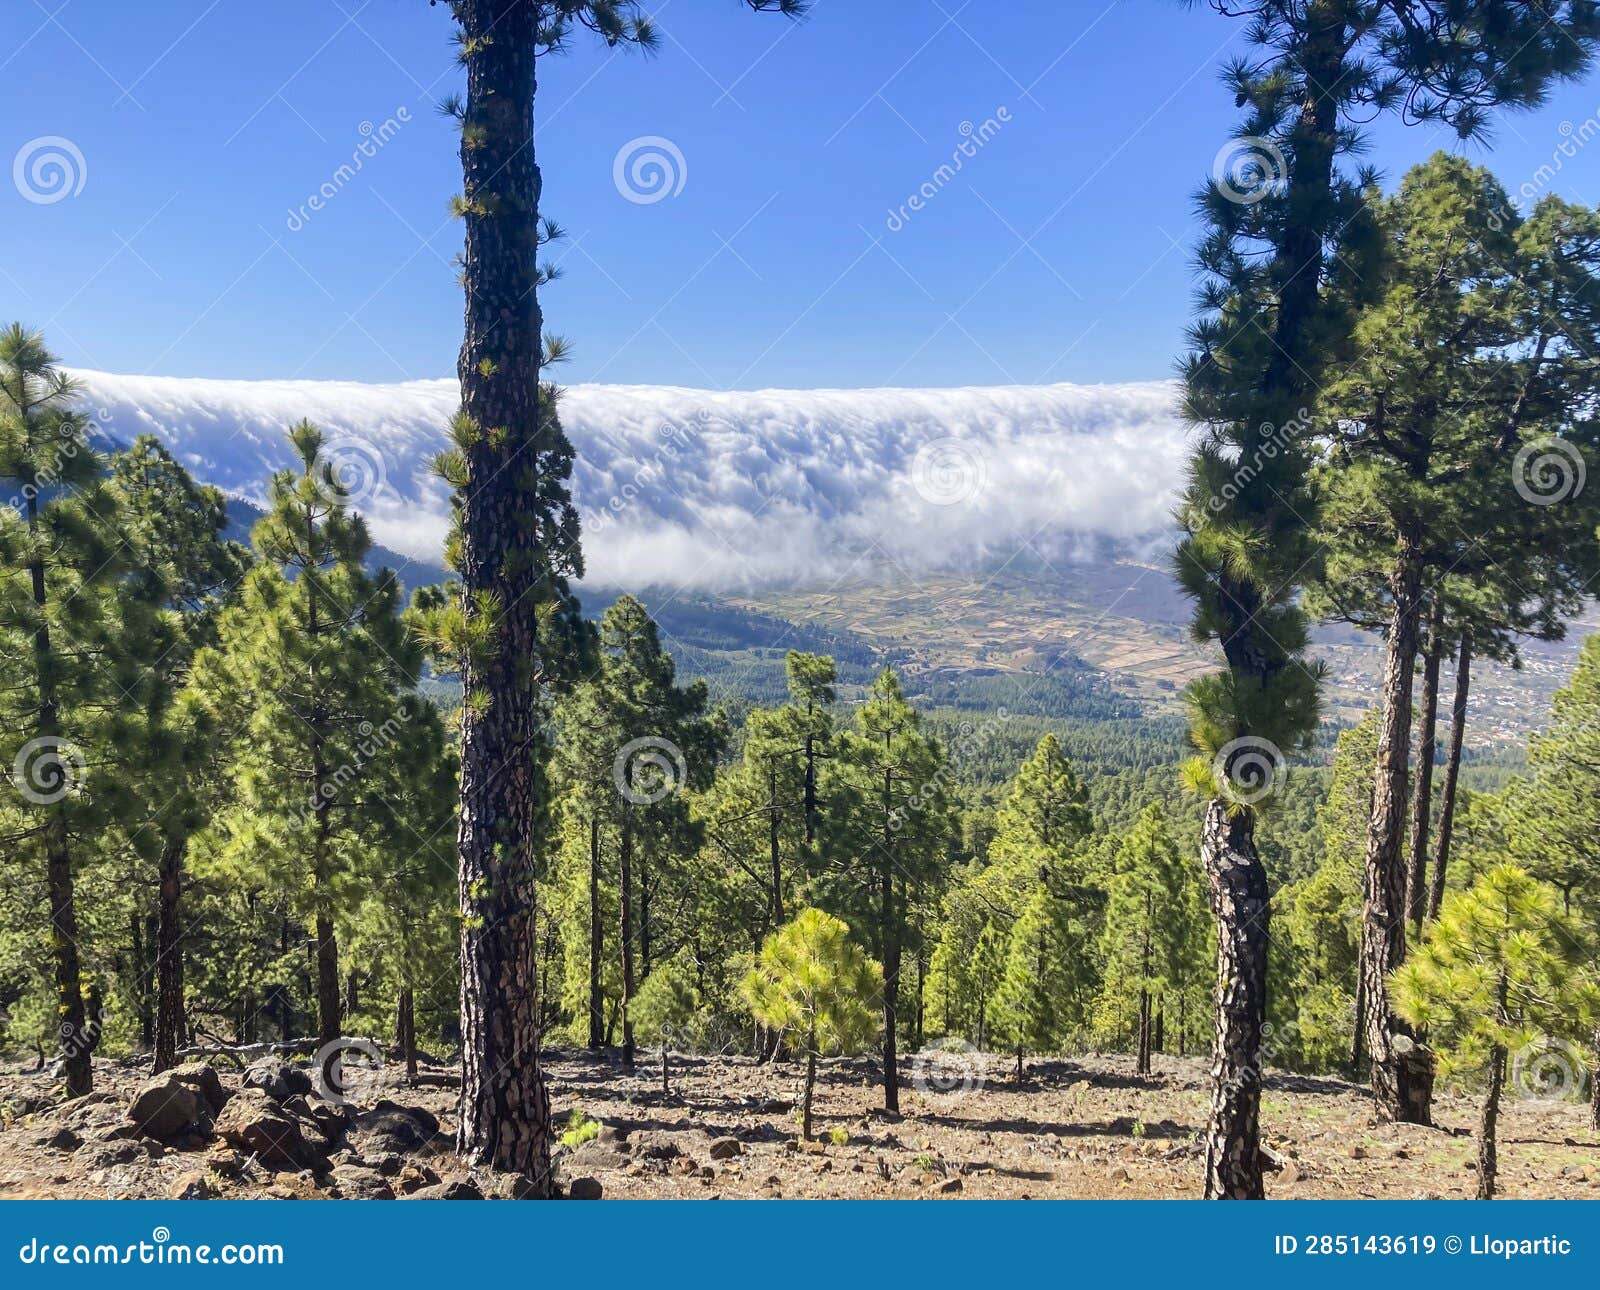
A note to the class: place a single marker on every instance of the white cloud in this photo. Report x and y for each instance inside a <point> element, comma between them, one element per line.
<point>718,490</point>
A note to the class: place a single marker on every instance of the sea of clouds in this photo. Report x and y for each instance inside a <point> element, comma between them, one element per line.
<point>721,491</point>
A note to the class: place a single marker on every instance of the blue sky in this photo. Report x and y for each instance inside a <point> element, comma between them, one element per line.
<point>1059,253</point>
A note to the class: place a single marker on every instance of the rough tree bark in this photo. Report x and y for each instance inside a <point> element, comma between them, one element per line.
<point>1400,1070</point>
<point>1422,794</point>
<point>1239,900</point>
<point>889,950</point>
<point>169,1034</point>
<point>504,1109</point>
<point>597,1017</point>
<point>625,933</point>
<point>1452,774</point>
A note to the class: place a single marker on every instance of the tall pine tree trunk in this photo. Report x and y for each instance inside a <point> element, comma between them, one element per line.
<point>504,1108</point>
<point>1422,793</point>
<point>76,1046</point>
<point>406,1028</point>
<point>625,933</point>
<point>169,956</point>
<point>811,1084</point>
<point>1401,1072</point>
<point>597,1019</point>
<point>1239,899</point>
<point>1238,882</point>
<point>1452,774</point>
<point>774,856</point>
<point>889,951</point>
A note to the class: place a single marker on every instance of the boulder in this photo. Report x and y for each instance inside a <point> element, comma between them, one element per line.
<point>450,1189</point>
<point>277,1078</point>
<point>360,1183</point>
<point>516,1187</point>
<point>190,1186</point>
<point>166,1106</point>
<point>726,1148</point>
<point>389,1128</point>
<point>258,1126</point>
<point>205,1081</point>
<point>585,1189</point>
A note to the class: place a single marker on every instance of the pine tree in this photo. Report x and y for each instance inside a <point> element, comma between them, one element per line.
<point>665,1006</point>
<point>1286,259</point>
<point>1553,820</point>
<point>77,649</point>
<point>890,825</point>
<point>308,672</point>
<point>1048,979</point>
<point>1447,378</point>
<point>816,987</point>
<point>631,744</point>
<point>1500,969</point>
<point>1154,934</point>
<point>518,544</point>
<point>188,570</point>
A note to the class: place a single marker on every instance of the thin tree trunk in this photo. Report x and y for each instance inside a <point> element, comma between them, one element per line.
<point>1422,794</point>
<point>1594,1080</point>
<point>169,1034</point>
<point>327,980</point>
<point>666,1085</point>
<point>1452,774</point>
<point>1142,1062</point>
<point>811,1084</point>
<point>504,1108</point>
<point>1357,1038</point>
<point>408,1031</point>
<point>625,851</point>
<point>597,1021</point>
<point>889,948</point>
<point>1401,1073</point>
<point>77,1067</point>
<point>774,856</point>
<point>1488,1155</point>
<point>142,986</point>
<point>1240,902</point>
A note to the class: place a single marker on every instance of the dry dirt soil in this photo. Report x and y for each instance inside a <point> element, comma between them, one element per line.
<point>969,1129</point>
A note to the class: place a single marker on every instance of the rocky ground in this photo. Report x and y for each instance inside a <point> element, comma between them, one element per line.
<point>969,1128</point>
